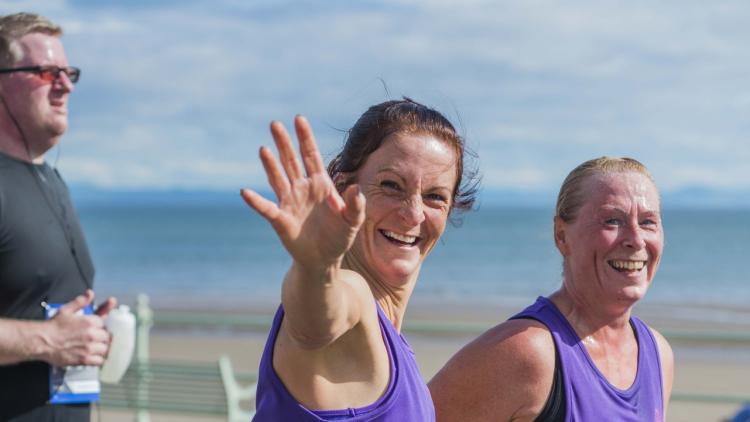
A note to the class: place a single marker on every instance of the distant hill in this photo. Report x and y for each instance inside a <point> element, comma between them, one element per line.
<point>700,197</point>
<point>88,195</point>
<point>693,197</point>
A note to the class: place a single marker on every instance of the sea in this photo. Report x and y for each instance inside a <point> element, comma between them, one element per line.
<point>220,254</point>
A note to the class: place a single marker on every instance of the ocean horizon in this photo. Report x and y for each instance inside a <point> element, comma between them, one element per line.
<point>220,254</point>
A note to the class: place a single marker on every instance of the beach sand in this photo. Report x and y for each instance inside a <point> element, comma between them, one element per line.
<point>700,367</point>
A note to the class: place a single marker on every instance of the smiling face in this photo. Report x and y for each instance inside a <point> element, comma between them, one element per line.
<point>408,184</point>
<point>613,246</point>
<point>40,108</point>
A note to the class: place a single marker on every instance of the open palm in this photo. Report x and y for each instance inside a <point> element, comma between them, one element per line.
<point>315,224</point>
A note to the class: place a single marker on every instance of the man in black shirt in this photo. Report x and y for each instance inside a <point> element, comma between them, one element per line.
<point>43,254</point>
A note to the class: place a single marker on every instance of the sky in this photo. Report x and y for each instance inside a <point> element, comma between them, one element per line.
<point>179,94</point>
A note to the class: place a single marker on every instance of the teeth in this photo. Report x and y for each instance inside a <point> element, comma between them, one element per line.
<point>400,237</point>
<point>628,265</point>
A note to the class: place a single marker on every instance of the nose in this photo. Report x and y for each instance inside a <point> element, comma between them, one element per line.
<point>63,82</point>
<point>634,237</point>
<point>412,210</point>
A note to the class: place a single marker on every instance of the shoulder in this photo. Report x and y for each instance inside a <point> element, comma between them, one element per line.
<point>354,281</point>
<point>507,372</point>
<point>666,359</point>
<point>666,356</point>
<point>523,340</point>
<point>359,291</point>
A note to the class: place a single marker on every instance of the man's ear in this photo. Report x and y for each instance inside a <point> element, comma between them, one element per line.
<point>560,228</point>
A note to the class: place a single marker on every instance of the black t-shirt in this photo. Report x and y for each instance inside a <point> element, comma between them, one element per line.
<point>43,257</point>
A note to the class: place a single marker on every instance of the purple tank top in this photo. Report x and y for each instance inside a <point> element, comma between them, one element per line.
<point>588,394</point>
<point>406,398</point>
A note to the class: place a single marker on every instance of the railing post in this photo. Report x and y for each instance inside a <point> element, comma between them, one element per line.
<point>144,321</point>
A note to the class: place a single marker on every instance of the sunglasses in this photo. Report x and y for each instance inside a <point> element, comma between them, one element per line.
<point>48,73</point>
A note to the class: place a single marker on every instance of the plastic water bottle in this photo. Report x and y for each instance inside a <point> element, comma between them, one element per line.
<point>121,324</point>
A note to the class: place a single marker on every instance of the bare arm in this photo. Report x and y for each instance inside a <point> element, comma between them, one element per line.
<point>22,340</point>
<point>666,357</point>
<point>317,226</point>
<point>66,339</point>
<point>505,374</point>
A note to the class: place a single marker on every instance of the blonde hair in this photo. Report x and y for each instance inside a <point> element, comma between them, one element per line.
<point>15,26</point>
<point>571,196</point>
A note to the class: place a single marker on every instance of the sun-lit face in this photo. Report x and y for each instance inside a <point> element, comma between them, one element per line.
<point>408,184</point>
<point>40,108</point>
<point>613,247</point>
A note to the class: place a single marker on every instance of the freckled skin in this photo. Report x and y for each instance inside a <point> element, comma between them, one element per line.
<point>408,184</point>
<point>619,221</point>
<point>329,351</point>
<point>507,373</point>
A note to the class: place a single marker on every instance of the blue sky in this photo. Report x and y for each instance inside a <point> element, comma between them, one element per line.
<point>179,94</point>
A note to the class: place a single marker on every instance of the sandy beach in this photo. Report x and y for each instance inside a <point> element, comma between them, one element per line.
<point>707,367</point>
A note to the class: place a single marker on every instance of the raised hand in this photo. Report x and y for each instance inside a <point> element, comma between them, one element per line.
<point>76,339</point>
<point>315,224</point>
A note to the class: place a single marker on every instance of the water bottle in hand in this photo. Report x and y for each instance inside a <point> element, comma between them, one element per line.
<point>121,324</point>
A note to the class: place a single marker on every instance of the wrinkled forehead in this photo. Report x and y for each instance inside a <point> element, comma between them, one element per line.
<point>421,142</point>
<point>411,147</point>
<point>622,188</point>
<point>415,157</point>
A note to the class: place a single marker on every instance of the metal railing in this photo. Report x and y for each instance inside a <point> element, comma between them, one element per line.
<point>263,323</point>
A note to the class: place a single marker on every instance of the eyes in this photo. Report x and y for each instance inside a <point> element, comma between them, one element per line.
<point>393,187</point>
<point>436,197</point>
<point>618,222</point>
<point>390,184</point>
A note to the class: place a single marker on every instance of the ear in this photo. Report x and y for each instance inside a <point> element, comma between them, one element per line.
<point>560,228</point>
<point>341,180</point>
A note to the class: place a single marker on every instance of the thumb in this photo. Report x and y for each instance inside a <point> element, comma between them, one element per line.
<point>334,200</point>
<point>78,303</point>
<point>105,308</point>
<point>354,211</point>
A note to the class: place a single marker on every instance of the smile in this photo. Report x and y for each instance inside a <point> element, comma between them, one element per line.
<point>400,239</point>
<point>625,265</point>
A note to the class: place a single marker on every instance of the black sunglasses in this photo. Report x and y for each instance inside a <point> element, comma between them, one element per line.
<point>48,73</point>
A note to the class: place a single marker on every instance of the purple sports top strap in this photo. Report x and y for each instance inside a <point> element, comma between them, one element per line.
<point>589,396</point>
<point>406,398</point>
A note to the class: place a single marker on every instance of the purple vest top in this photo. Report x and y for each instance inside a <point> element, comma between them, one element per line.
<point>588,394</point>
<point>406,398</point>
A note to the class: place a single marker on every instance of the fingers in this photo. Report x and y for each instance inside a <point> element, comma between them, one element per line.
<point>308,149</point>
<point>106,307</point>
<point>95,341</point>
<point>94,360</point>
<point>286,152</point>
<point>91,328</point>
<point>109,344</point>
<point>354,212</point>
<point>334,201</point>
<point>276,179</point>
<point>78,340</point>
<point>269,210</point>
<point>96,354</point>
<point>78,303</point>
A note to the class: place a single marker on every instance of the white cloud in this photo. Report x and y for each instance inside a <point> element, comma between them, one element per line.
<point>49,7</point>
<point>181,94</point>
<point>517,177</point>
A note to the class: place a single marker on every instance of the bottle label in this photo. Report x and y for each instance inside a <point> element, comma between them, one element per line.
<point>72,384</point>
